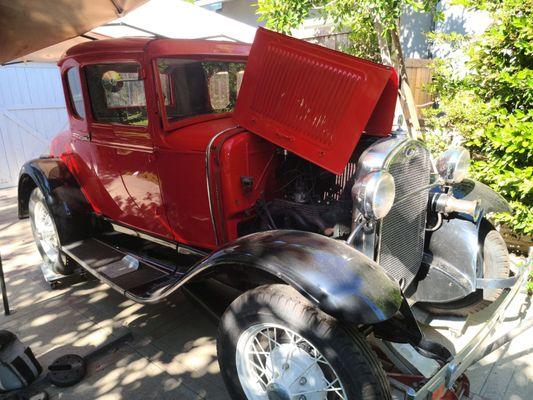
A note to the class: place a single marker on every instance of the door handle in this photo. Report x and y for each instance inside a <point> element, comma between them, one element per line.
<point>82,136</point>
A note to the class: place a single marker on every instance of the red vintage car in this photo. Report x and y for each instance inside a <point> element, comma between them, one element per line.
<point>272,170</point>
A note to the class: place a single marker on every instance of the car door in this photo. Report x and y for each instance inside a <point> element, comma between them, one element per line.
<point>122,147</point>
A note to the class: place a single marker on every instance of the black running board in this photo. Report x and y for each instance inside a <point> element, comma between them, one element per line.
<point>136,278</point>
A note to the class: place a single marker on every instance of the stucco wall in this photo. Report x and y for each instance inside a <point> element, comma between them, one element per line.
<point>241,10</point>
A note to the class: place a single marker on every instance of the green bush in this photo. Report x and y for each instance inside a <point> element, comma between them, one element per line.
<point>487,107</point>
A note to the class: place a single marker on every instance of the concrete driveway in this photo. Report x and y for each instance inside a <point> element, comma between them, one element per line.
<point>172,355</point>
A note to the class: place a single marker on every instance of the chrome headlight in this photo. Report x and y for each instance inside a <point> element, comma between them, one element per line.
<point>453,164</point>
<point>373,194</point>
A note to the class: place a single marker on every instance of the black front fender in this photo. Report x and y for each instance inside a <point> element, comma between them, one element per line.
<point>490,201</point>
<point>338,279</point>
<point>62,193</point>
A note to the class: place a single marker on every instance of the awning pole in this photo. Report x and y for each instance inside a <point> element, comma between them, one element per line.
<point>3,288</point>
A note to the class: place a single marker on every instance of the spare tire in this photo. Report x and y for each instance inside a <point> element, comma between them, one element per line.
<point>495,265</point>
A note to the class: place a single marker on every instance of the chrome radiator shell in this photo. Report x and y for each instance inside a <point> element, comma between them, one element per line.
<point>399,237</point>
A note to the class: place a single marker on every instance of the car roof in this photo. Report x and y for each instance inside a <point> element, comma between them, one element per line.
<point>134,44</point>
<point>156,47</point>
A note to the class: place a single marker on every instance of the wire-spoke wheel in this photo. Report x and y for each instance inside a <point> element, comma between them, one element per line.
<point>274,345</point>
<point>45,234</point>
<point>272,360</point>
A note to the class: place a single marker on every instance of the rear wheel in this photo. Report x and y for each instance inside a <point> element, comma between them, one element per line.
<point>495,265</point>
<point>273,344</point>
<point>46,237</point>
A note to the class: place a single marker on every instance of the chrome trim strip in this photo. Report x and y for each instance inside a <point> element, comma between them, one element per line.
<point>123,146</point>
<point>179,247</point>
<point>133,232</point>
<point>208,180</point>
<point>188,250</point>
<point>496,283</point>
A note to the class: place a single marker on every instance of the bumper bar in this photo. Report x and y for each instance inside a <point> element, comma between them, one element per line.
<point>476,348</point>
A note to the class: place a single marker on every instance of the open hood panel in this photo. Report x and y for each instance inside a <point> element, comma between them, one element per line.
<point>313,101</point>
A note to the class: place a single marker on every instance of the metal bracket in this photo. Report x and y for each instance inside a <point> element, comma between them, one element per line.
<point>497,283</point>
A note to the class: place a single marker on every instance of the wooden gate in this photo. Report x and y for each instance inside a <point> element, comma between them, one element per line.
<point>32,112</point>
<point>419,75</point>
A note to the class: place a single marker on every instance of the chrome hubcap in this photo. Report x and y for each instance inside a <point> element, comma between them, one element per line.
<point>276,363</point>
<point>276,392</point>
<point>46,232</point>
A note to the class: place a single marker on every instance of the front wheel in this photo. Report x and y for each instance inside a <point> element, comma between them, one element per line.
<point>273,344</point>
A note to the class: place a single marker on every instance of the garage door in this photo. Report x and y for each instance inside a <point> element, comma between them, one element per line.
<point>32,111</point>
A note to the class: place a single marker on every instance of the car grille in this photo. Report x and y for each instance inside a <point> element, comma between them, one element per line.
<point>401,237</point>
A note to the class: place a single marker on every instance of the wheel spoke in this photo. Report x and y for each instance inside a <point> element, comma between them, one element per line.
<point>258,357</point>
<point>262,372</point>
<point>45,231</point>
<point>263,353</point>
<point>270,340</point>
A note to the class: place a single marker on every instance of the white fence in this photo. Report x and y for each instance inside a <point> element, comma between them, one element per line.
<point>32,112</point>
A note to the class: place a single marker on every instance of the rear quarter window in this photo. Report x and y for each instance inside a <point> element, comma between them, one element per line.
<point>75,92</point>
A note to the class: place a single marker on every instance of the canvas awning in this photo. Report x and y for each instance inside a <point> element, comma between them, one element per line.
<point>28,25</point>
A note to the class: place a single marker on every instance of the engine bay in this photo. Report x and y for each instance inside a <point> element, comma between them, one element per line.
<point>308,197</point>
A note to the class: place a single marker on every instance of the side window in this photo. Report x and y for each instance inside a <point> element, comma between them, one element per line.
<point>75,93</point>
<point>117,93</point>
<point>191,87</point>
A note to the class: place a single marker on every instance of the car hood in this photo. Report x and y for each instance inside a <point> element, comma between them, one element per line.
<point>313,101</point>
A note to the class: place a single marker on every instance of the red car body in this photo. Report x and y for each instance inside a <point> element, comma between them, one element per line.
<point>155,179</point>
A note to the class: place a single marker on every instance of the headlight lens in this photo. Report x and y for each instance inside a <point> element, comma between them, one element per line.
<point>373,194</point>
<point>453,164</point>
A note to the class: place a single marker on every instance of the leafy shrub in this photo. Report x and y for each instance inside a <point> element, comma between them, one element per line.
<point>356,18</point>
<point>488,106</point>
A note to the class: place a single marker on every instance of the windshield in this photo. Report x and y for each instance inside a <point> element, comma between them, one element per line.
<point>192,87</point>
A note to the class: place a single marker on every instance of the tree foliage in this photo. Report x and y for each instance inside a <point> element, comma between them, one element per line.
<point>357,18</point>
<point>488,105</point>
